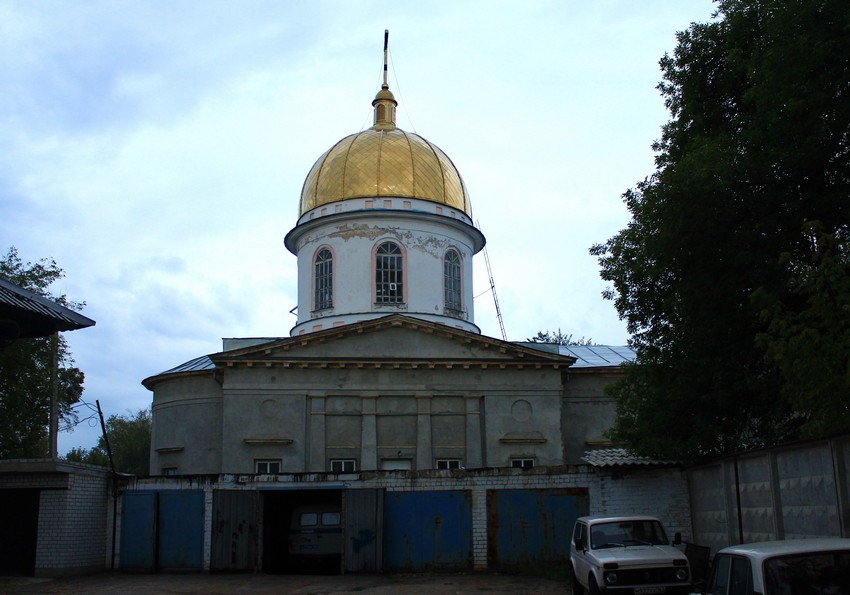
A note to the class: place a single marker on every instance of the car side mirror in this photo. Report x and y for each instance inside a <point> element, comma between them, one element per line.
<point>677,538</point>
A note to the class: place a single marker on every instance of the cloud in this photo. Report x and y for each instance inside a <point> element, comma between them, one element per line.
<point>157,152</point>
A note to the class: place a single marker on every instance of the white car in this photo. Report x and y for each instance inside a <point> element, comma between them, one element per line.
<point>627,554</point>
<point>818,566</point>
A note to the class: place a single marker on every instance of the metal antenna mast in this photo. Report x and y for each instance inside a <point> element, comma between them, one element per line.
<point>493,290</point>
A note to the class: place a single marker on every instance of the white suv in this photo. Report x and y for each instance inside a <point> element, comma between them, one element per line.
<point>627,554</point>
<point>817,566</point>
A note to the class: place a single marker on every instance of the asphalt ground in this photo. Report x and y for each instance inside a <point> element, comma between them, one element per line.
<point>395,584</point>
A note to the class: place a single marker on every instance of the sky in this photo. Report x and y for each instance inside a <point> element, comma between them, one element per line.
<point>156,150</point>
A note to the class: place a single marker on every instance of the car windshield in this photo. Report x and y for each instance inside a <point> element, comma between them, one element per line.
<point>819,573</point>
<point>626,533</point>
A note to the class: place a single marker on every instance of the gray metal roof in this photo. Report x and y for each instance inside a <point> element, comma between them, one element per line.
<point>27,314</point>
<point>589,356</point>
<point>198,364</point>
<point>620,457</point>
<point>598,356</point>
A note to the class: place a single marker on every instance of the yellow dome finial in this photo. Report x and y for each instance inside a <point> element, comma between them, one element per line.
<point>384,102</point>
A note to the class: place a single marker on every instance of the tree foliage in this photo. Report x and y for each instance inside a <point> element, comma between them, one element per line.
<point>736,254</point>
<point>558,338</point>
<point>26,368</point>
<point>130,441</point>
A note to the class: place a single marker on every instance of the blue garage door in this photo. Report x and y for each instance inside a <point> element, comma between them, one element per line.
<point>527,527</point>
<point>427,530</point>
<point>138,531</point>
<point>162,530</point>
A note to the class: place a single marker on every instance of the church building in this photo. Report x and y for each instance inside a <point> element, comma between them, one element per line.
<point>386,412</point>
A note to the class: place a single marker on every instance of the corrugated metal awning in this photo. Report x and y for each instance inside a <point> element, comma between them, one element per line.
<point>620,457</point>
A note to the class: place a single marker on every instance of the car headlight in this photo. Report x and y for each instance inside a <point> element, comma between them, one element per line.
<point>682,574</point>
<point>611,578</point>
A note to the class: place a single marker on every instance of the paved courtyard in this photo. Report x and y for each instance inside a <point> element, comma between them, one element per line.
<point>127,584</point>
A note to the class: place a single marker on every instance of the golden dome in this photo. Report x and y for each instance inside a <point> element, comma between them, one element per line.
<point>384,161</point>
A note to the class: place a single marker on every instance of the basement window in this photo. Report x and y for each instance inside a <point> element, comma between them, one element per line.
<point>169,471</point>
<point>343,465</point>
<point>267,466</point>
<point>522,463</point>
<point>448,463</point>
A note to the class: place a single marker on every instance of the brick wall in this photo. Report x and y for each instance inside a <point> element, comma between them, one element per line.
<point>72,514</point>
<point>657,492</point>
<point>72,527</point>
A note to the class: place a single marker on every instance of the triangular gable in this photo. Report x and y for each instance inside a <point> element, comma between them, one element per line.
<point>393,338</point>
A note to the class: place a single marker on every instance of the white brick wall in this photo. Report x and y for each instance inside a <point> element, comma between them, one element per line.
<point>72,512</point>
<point>659,492</point>
<point>72,526</point>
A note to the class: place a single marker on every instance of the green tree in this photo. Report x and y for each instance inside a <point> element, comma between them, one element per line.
<point>130,441</point>
<point>708,274</point>
<point>92,456</point>
<point>558,338</point>
<point>808,335</point>
<point>26,367</point>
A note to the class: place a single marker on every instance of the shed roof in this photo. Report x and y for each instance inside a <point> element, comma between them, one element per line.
<point>27,314</point>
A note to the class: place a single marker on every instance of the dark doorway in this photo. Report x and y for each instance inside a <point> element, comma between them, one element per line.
<point>299,533</point>
<point>19,520</point>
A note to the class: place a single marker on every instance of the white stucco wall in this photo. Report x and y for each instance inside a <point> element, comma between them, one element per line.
<point>424,231</point>
<point>187,425</point>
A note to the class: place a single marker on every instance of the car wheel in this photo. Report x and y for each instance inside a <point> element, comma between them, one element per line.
<point>577,588</point>
<point>593,588</point>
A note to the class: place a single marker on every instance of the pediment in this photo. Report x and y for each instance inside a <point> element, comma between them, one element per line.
<point>392,340</point>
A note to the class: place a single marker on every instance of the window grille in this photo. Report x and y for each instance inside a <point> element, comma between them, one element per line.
<point>451,280</point>
<point>323,280</point>
<point>389,274</point>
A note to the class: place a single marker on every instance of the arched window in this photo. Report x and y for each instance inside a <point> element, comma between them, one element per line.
<point>451,280</point>
<point>389,274</point>
<point>324,280</point>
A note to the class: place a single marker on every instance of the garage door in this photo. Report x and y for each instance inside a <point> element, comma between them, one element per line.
<point>527,527</point>
<point>428,530</point>
<point>162,530</point>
